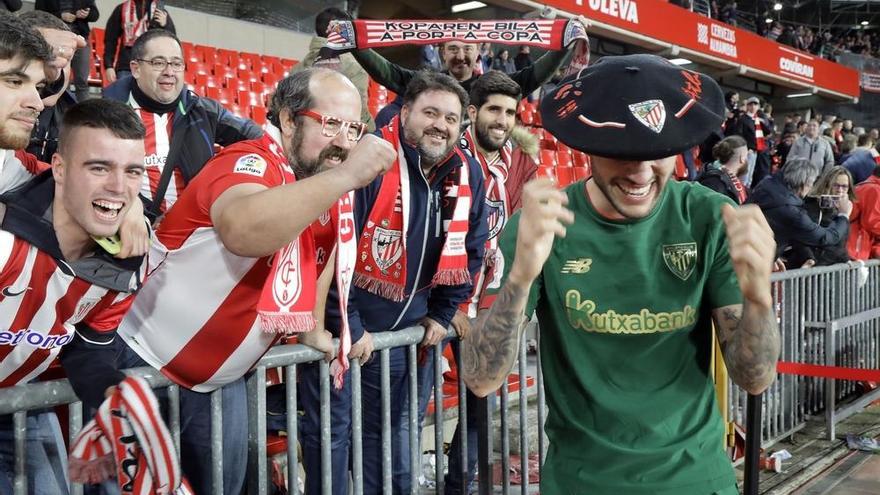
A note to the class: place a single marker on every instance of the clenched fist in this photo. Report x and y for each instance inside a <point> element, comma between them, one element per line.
<point>544,216</point>
<point>371,157</point>
<point>752,250</point>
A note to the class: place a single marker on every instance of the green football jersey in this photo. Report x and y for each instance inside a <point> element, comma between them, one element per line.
<point>625,318</point>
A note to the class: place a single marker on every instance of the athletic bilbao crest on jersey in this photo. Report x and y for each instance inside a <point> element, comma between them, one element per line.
<point>288,279</point>
<point>495,216</point>
<point>387,247</point>
<point>680,258</point>
<point>652,113</point>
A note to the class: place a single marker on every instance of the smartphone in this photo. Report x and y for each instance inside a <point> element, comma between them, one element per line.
<point>109,244</point>
<point>829,201</point>
<point>160,4</point>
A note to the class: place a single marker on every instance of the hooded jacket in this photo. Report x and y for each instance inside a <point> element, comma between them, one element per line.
<point>424,241</point>
<point>791,224</point>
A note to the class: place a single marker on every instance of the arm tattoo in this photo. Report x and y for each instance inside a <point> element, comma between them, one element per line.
<point>750,343</point>
<point>491,348</point>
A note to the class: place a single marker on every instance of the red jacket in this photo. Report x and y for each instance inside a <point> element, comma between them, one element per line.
<point>864,231</point>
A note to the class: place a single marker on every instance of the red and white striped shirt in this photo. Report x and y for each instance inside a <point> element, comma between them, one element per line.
<point>40,302</point>
<point>196,317</point>
<point>156,147</point>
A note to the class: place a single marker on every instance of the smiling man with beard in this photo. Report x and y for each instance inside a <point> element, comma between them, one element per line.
<point>246,220</point>
<point>182,127</point>
<point>412,271</point>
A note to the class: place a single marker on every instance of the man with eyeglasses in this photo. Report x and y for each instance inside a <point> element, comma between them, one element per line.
<point>182,127</point>
<point>237,260</point>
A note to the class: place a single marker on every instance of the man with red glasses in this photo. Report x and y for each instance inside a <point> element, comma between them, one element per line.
<point>182,127</point>
<point>244,223</point>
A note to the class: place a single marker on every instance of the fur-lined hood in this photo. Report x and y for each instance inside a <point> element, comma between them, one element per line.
<point>525,140</point>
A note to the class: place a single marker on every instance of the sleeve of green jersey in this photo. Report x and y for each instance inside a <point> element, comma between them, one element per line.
<point>722,285</point>
<point>507,244</point>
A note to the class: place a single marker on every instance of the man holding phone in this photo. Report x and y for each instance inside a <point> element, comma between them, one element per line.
<point>129,20</point>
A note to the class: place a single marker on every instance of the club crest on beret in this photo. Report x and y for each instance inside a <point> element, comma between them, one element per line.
<point>634,107</point>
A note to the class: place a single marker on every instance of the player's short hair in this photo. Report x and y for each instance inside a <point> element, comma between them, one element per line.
<point>139,48</point>
<point>115,116</point>
<point>491,83</point>
<point>322,20</point>
<point>427,80</point>
<point>19,39</point>
<point>43,19</point>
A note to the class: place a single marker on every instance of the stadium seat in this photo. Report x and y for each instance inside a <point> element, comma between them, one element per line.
<point>563,159</point>
<point>564,176</point>
<point>258,115</point>
<point>547,158</point>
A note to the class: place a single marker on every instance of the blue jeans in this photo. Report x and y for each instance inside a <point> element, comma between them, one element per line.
<point>309,391</point>
<point>401,478</point>
<point>46,455</point>
<point>456,472</point>
<point>195,432</point>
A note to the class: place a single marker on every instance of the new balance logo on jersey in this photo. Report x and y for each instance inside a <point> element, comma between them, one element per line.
<point>9,291</point>
<point>34,338</point>
<point>578,266</point>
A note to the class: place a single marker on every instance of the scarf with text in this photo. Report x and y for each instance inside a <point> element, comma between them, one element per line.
<point>128,440</point>
<point>553,34</point>
<point>132,26</point>
<point>498,212</point>
<point>342,223</point>
<point>381,265</point>
<point>737,186</point>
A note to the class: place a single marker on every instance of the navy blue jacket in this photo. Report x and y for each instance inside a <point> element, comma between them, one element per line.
<point>860,164</point>
<point>367,311</point>
<point>790,221</point>
<point>200,124</point>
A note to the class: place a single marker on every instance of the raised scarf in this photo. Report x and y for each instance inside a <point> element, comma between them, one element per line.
<point>360,34</point>
<point>128,440</point>
<point>381,263</point>
<point>132,26</point>
<point>498,212</point>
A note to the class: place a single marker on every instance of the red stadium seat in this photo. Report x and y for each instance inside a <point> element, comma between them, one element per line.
<point>563,159</point>
<point>547,158</point>
<point>258,115</point>
<point>564,176</point>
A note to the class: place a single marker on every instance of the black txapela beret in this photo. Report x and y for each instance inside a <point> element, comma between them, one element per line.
<point>633,107</point>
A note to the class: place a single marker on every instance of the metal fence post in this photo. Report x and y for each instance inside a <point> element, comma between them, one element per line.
<point>485,466</point>
<point>753,444</point>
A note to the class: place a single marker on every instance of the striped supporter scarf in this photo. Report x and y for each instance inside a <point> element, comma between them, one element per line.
<point>381,265</point>
<point>553,34</point>
<point>132,27</point>
<point>495,175</point>
<point>128,440</point>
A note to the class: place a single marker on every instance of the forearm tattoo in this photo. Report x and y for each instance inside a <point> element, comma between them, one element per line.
<point>750,342</point>
<point>491,348</point>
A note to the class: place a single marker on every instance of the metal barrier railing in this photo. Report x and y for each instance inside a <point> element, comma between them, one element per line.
<point>827,316</point>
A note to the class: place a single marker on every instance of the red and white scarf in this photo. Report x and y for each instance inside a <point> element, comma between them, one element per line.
<point>381,264</point>
<point>498,207</point>
<point>132,26</point>
<point>346,259</point>
<point>128,440</point>
<point>555,34</point>
<point>288,296</point>
<point>737,186</point>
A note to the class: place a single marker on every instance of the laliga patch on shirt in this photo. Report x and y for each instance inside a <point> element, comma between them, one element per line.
<point>251,164</point>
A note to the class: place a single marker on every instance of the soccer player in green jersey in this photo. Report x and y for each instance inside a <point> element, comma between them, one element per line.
<point>627,272</point>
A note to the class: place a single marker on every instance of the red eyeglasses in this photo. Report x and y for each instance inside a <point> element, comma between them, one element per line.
<point>332,126</point>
